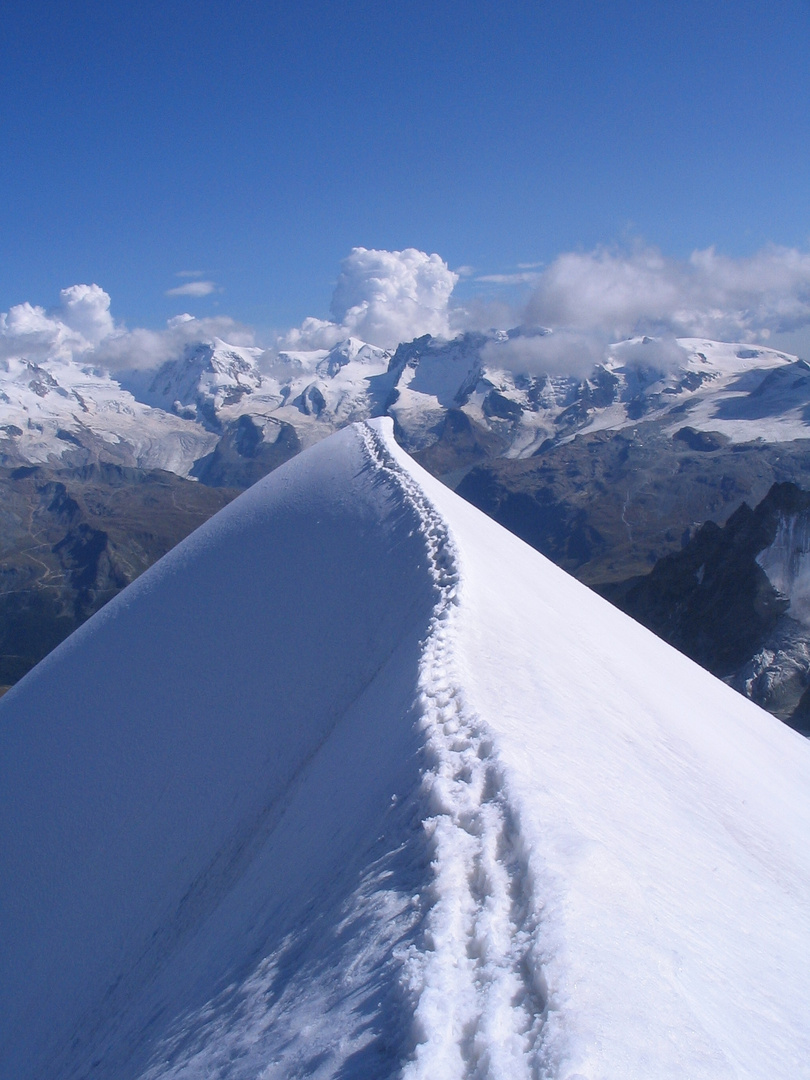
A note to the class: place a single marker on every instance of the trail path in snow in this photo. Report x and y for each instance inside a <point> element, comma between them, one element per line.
<point>475,976</point>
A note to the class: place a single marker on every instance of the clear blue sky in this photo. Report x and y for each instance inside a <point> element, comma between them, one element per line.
<point>259,142</point>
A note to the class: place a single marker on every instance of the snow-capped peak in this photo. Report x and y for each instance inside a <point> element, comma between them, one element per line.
<point>209,376</point>
<point>71,413</point>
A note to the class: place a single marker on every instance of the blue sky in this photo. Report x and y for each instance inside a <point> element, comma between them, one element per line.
<point>257,143</point>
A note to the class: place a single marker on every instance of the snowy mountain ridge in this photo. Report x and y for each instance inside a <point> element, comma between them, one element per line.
<point>217,383</point>
<point>209,377</point>
<point>444,814</point>
<point>60,410</point>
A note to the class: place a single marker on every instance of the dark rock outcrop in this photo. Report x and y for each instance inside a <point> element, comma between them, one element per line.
<point>714,602</point>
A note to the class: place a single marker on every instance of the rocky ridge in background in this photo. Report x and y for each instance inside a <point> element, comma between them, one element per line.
<point>257,408</point>
<point>607,505</point>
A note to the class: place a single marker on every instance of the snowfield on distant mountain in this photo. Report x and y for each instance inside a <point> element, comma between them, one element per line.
<point>353,783</point>
<point>69,413</point>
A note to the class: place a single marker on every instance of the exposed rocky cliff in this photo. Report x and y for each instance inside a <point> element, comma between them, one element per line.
<point>735,599</point>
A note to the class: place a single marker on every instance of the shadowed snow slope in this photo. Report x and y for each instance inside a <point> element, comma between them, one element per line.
<point>354,784</point>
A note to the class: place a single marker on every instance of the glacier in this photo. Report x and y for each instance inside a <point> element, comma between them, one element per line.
<point>353,783</point>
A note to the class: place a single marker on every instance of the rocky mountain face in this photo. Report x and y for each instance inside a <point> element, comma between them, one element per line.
<point>608,504</point>
<point>737,600</point>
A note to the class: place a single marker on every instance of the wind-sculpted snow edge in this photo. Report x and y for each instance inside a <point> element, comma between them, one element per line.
<point>475,978</point>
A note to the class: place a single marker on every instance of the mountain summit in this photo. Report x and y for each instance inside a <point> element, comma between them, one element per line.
<point>355,784</point>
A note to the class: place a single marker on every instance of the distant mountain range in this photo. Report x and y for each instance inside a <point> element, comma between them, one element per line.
<point>71,539</point>
<point>606,473</point>
<point>219,403</point>
<point>737,600</point>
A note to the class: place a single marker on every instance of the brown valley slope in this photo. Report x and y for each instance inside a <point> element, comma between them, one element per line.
<point>71,539</point>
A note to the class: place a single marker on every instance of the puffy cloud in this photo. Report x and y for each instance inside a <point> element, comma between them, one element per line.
<point>193,288</point>
<point>383,297</point>
<point>86,310</point>
<point>605,292</point>
<point>82,328</point>
<point>80,322</point>
<point>766,293</point>
<point>662,353</point>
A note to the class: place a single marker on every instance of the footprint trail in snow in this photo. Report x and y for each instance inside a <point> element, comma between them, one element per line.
<point>474,978</point>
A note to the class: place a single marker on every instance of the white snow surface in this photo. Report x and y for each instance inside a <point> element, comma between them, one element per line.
<point>355,784</point>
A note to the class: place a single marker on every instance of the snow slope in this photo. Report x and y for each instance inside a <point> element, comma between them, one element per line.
<point>353,783</point>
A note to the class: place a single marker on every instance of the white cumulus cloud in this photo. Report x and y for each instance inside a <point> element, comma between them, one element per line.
<point>82,328</point>
<point>81,321</point>
<point>86,310</point>
<point>142,350</point>
<point>708,295</point>
<point>383,297</point>
<point>588,301</point>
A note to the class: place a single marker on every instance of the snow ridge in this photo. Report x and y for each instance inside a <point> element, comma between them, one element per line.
<point>475,979</point>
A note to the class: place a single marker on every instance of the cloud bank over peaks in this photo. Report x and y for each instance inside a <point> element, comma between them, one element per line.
<point>142,350</point>
<point>383,297</point>
<point>550,352</point>
<point>82,328</point>
<point>589,300</point>
<point>574,311</point>
<point>643,292</point>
